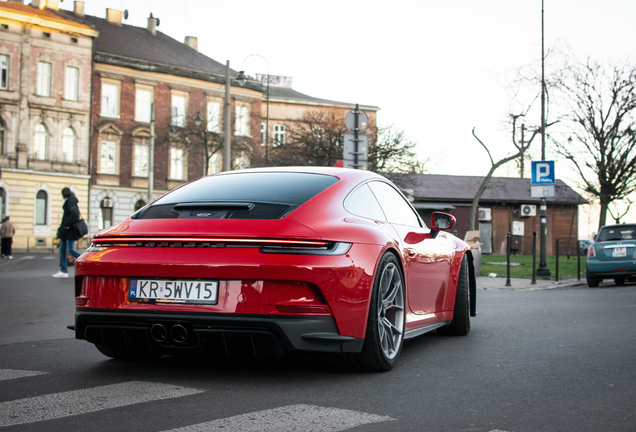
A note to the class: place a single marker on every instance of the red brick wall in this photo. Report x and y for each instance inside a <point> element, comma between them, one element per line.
<point>163,117</point>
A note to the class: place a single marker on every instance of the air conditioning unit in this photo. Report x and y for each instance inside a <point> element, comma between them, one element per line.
<point>528,210</point>
<point>484,214</point>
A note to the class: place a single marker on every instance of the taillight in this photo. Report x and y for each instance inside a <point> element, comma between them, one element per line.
<point>591,252</point>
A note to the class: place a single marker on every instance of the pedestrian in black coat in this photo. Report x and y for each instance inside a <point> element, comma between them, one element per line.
<point>65,232</point>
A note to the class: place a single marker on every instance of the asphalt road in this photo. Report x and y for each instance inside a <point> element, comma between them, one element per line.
<point>540,360</point>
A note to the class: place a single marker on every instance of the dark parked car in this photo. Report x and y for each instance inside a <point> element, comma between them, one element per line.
<point>613,255</point>
<point>584,246</point>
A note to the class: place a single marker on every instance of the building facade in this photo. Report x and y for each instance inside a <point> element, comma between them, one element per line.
<point>287,106</point>
<point>150,95</point>
<point>45,100</point>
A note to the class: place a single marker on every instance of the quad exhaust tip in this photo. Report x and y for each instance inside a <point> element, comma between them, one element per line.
<point>179,333</point>
<point>158,332</point>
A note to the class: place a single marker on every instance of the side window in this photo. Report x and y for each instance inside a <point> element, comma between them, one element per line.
<point>362,202</point>
<point>41,142</point>
<point>4,72</point>
<point>68,145</point>
<point>397,209</point>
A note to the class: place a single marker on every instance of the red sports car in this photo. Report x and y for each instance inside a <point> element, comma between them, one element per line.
<point>265,261</point>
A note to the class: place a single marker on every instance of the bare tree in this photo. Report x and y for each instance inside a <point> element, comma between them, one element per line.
<point>317,140</point>
<point>494,165</point>
<point>601,108</point>
<point>620,213</point>
<point>391,152</point>
<point>203,142</point>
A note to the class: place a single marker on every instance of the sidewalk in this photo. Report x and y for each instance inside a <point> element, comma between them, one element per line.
<point>499,283</point>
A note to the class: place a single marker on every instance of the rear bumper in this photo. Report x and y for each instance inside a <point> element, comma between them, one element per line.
<point>210,334</point>
<point>612,268</point>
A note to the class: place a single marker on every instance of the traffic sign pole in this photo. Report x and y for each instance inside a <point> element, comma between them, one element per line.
<point>543,269</point>
<point>357,144</point>
<point>543,178</point>
<point>355,132</point>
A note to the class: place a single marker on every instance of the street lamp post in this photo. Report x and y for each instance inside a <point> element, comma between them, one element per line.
<point>227,153</point>
<point>151,154</point>
<point>242,79</point>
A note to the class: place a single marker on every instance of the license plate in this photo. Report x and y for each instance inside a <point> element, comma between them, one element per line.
<point>173,291</point>
<point>619,252</point>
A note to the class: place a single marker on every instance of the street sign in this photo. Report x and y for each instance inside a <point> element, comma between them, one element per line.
<point>546,191</point>
<point>543,173</point>
<point>350,120</point>
<point>350,151</point>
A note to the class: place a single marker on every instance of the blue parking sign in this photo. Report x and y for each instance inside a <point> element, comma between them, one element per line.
<point>543,173</point>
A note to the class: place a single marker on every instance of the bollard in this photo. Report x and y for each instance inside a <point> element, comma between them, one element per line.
<point>508,237</point>
<point>557,260</point>
<point>534,258</point>
<point>578,261</point>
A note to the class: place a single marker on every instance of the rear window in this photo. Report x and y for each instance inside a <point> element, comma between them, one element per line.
<point>269,195</point>
<point>623,232</point>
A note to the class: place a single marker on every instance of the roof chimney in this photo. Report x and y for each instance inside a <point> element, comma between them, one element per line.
<point>152,24</point>
<point>113,16</point>
<point>192,42</point>
<point>41,4</point>
<point>78,8</point>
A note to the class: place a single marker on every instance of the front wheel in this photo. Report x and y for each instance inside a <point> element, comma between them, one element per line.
<point>385,326</point>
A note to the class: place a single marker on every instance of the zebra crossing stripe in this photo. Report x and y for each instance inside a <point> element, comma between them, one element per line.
<point>7,374</point>
<point>306,418</point>
<point>66,404</point>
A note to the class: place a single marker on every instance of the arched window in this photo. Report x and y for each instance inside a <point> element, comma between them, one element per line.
<point>41,206</point>
<point>139,204</point>
<point>41,142</point>
<point>68,145</point>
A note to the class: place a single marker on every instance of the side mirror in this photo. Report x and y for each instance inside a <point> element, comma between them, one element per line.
<point>442,221</point>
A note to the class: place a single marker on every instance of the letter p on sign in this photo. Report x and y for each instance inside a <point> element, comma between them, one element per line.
<point>543,173</point>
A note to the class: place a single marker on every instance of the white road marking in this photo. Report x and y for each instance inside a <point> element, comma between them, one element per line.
<point>7,374</point>
<point>28,257</point>
<point>66,404</point>
<point>49,257</point>
<point>306,418</point>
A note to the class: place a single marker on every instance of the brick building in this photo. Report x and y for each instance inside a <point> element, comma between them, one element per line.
<point>506,205</point>
<point>45,80</point>
<point>140,71</point>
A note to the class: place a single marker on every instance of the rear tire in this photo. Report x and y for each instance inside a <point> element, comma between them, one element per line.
<point>592,281</point>
<point>387,319</point>
<point>460,326</point>
<point>619,281</point>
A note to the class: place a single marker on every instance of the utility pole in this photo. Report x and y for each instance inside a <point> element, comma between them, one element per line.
<point>227,152</point>
<point>543,269</point>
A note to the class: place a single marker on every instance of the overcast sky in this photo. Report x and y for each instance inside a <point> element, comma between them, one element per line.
<point>436,69</point>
